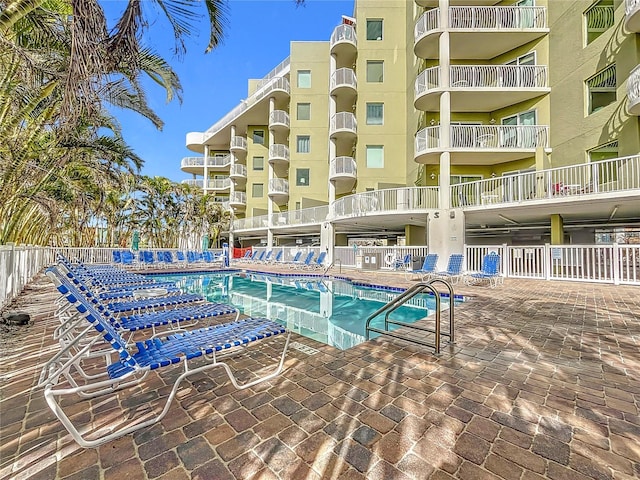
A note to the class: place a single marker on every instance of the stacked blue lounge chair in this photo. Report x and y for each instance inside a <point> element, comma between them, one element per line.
<point>489,272</point>
<point>97,332</point>
<point>428,269</point>
<point>453,273</point>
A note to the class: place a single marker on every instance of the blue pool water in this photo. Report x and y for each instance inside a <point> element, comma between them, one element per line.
<point>328,310</point>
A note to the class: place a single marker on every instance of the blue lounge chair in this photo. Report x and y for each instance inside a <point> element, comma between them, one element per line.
<point>490,271</point>
<point>135,362</point>
<point>247,256</point>
<point>277,258</point>
<point>295,259</point>
<point>318,262</point>
<point>454,269</point>
<point>428,269</point>
<point>117,256</point>
<point>402,263</point>
<point>267,258</point>
<point>304,263</point>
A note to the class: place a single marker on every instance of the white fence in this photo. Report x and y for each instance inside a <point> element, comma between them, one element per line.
<point>614,263</point>
<point>18,265</point>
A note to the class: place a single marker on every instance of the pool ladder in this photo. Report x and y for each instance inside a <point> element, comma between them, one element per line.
<point>417,289</point>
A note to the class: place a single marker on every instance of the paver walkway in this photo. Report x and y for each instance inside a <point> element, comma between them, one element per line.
<point>543,382</point>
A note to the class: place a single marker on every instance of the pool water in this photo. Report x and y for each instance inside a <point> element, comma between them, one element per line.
<point>330,311</point>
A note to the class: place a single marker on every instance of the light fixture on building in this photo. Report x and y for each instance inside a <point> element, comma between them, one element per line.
<point>493,174</point>
<point>492,121</point>
<point>432,122</point>
<point>433,176</point>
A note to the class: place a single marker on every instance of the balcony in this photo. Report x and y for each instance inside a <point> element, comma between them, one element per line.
<point>344,40</point>
<point>238,174</point>
<point>344,83</point>
<point>479,32</point>
<point>343,173</point>
<point>481,88</point>
<point>196,165</point>
<point>453,3</point>
<point>481,144</point>
<point>278,190</point>
<point>343,125</point>
<point>632,15</point>
<point>238,200</point>
<point>238,145</point>
<point>279,121</point>
<point>633,91</point>
<point>218,184</point>
<point>392,201</point>
<point>279,154</point>
<point>305,216</point>
<point>195,141</point>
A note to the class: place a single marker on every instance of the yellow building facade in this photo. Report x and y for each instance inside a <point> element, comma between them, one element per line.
<point>489,119</point>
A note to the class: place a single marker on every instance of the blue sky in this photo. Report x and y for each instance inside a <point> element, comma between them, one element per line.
<point>257,39</point>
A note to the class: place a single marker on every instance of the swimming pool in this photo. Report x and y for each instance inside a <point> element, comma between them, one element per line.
<point>330,311</point>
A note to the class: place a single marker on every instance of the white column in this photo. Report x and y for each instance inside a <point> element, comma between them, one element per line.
<point>232,191</point>
<point>332,142</point>
<point>206,169</point>
<point>270,203</point>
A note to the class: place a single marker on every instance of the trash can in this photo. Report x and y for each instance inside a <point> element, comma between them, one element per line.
<point>416,262</point>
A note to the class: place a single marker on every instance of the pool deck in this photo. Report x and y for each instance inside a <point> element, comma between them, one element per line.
<point>543,382</point>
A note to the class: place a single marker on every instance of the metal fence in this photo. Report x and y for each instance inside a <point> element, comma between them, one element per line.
<point>18,265</point>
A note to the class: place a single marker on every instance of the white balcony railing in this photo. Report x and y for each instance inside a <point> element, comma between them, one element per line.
<point>278,152</point>
<point>633,90</point>
<point>193,182</point>
<point>218,184</point>
<point>343,77</point>
<point>192,162</point>
<point>303,216</point>
<point>238,171</point>
<point>342,166</point>
<point>270,85</point>
<point>219,161</point>
<point>615,175</point>
<point>428,79</point>
<point>497,18</point>
<point>260,221</point>
<point>238,198</point>
<point>279,118</point>
<point>631,7</point>
<point>278,186</point>
<point>499,76</point>
<point>427,139</point>
<point>429,21</point>
<point>388,200</point>
<point>343,34</point>
<point>239,143</point>
<point>342,121</point>
<point>499,136</point>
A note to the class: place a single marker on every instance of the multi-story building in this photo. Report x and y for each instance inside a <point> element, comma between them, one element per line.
<point>439,122</point>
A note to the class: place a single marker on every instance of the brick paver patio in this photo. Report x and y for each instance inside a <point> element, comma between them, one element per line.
<point>543,382</point>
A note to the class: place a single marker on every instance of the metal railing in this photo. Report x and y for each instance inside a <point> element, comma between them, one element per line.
<point>238,198</point>
<point>238,170</point>
<point>276,83</point>
<point>631,6</point>
<point>498,76</point>
<point>239,142</point>
<point>217,161</point>
<point>633,87</point>
<point>519,137</point>
<point>278,186</point>
<point>343,166</point>
<point>344,77</point>
<point>258,221</point>
<point>388,200</point>
<point>343,121</point>
<point>279,117</point>
<point>610,263</point>
<point>428,79</point>
<point>278,151</point>
<point>303,216</point>
<point>343,33</point>
<point>212,184</point>
<point>427,139</point>
<point>428,21</point>
<point>614,175</point>
<point>494,18</point>
<point>18,265</point>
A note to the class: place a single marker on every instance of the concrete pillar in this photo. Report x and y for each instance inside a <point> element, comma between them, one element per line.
<point>332,142</point>
<point>341,240</point>
<point>206,169</point>
<point>445,231</point>
<point>327,240</point>
<point>270,203</point>
<point>415,235</point>
<point>557,229</point>
<point>232,215</point>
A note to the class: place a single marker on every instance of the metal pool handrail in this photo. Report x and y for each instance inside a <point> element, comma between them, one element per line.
<point>400,300</point>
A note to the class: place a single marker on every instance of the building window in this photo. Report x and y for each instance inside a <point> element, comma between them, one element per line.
<point>375,156</point>
<point>302,177</point>
<point>374,29</point>
<point>303,144</point>
<point>606,173</point>
<point>304,78</point>
<point>258,163</point>
<point>257,190</point>
<point>304,111</point>
<point>258,137</point>
<point>375,113</point>
<point>598,18</point>
<point>518,132</point>
<point>602,89</point>
<point>375,71</point>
